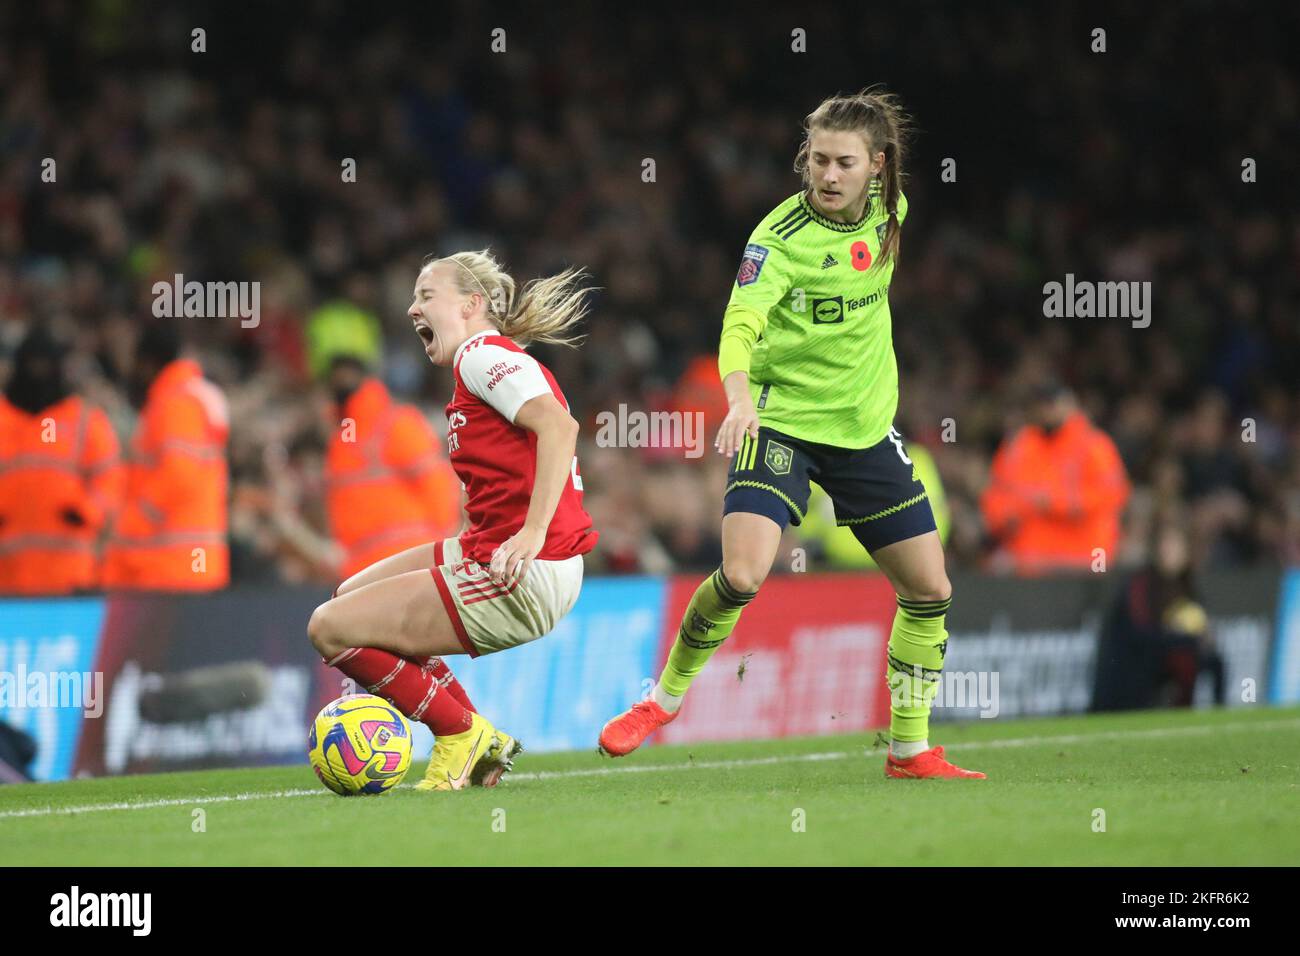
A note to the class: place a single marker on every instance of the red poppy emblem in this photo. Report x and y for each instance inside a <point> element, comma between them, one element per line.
<point>860,256</point>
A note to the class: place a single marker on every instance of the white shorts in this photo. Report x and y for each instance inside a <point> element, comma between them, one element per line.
<point>491,617</point>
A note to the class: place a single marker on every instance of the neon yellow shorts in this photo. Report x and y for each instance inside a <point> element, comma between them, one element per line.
<point>491,617</point>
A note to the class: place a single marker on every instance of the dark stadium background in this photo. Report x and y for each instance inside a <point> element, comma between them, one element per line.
<point>225,165</point>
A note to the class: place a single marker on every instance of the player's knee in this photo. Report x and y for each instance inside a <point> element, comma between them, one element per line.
<point>323,632</point>
<point>935,587</point>
<point>745,576</point>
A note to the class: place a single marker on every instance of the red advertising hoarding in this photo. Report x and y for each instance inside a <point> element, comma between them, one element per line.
<point>813,655</point>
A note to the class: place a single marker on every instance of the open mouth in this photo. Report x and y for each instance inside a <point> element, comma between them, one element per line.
<point>429,340</point>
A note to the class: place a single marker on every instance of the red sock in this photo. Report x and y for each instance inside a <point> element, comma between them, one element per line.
<point>414,692</point>
<point>443,675</point>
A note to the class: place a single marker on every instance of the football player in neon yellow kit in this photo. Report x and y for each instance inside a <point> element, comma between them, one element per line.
<point>807,361</point>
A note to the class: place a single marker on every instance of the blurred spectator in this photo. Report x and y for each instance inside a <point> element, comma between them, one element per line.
<point>171,532</point>
<point>60,475</point>
<point>699,391</point>
<point>389,486</point>
<point>1057,488</point>
<point>1155,642</point>
<point>278,529</point>
<point>342,327</point>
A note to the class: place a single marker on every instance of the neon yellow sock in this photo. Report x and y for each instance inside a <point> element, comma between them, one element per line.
<point>917,643</point>
<point>713,612</point>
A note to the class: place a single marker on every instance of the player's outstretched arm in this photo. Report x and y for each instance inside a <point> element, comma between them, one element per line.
<point>557,439</point>
<point>741,418</point>
<point>741,327</point>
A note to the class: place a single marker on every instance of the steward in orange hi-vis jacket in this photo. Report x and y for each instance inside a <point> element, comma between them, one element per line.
<point>60,476</point>
<point>171,534</point>
<point>388,484</point>
<point>1057,489</point>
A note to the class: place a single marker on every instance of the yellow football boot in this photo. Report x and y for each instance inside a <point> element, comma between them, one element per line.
<point>500,759</point>
<point>477,757</point>
<point>455,755</point>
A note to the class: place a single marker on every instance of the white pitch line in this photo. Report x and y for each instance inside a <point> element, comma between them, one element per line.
<point>151,804</point>
<point>972,745</point>
<point>688,765</point>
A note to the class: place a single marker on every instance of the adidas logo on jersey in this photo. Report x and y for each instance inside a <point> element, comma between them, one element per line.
<point>829,261</point>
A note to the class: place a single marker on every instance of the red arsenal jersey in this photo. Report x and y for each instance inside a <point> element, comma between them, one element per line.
<point>497,459</point>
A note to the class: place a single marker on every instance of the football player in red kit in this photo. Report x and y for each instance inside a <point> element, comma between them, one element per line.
<point>517,568</point>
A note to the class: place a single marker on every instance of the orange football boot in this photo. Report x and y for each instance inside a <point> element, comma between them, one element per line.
<point>629,729</point>
<point>926,764</point>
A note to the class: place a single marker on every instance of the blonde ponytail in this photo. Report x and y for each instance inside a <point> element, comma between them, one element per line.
<point>545,309</point>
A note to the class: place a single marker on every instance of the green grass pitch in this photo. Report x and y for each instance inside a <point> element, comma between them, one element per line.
<point>1176,788</point>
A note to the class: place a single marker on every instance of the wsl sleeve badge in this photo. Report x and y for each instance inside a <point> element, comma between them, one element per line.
<point>751,264</point>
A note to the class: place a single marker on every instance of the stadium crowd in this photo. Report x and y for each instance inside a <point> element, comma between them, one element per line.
<point>229,164</point>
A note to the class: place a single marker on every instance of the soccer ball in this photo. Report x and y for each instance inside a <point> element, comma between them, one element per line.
<point>360,744</point>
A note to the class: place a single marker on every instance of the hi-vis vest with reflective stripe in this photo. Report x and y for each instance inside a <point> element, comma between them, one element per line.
<point>388,485</point>
<point>171,535</point>
<point>60,481</point>
<point>1055,500</point>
